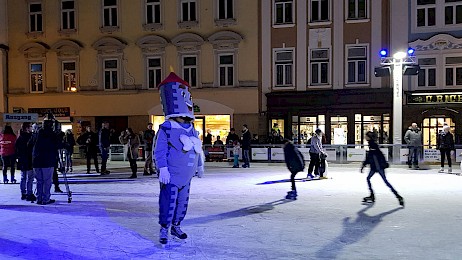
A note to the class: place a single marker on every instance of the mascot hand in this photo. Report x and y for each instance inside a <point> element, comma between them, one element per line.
<point>200,171</point>
<point>164,175</point>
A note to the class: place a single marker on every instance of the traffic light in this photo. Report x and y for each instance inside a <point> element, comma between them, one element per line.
<point>382,71</point>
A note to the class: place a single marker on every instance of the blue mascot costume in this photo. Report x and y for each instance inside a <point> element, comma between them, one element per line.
<point>178,155</point>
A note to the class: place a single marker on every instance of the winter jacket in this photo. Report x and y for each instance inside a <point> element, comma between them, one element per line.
<point>45,148</point>
<point>445,141</point>
<point>148,137</point>
<point>316,145</point>
<point>104,138</point>
<point>294,158</point>
<point>24,151</point>
<point>413,137</point>
<point>7,142</point>
<point>69,142</point>
<point>90,140</point>
<point>246,137</point>
<point>231,138</point>
<point>132,143</point>
<point>375,158</point>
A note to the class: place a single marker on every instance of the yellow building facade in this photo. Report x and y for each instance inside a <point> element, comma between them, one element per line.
<point>95,61</point>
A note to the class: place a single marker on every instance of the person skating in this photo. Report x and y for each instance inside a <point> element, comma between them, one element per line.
<point>295,163</point>
<point>445,143</point>
<point>148,136</point>
<point>178,155</point>
<point>377,162</point>
<point>315,152</point>
<point>7,142</point>
<point>104,142</point>
<point>132,143</point>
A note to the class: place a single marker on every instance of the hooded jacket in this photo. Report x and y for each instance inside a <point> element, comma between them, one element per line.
<point>413,137</point>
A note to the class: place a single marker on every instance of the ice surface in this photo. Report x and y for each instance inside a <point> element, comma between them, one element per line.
<point>241,214</point>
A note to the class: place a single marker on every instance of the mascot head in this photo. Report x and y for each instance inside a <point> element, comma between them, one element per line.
<point>175,97</point>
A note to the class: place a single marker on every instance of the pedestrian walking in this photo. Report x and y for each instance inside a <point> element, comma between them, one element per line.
<point>7,150</point>
<point>295,163</point>
<point>445,143</point>
<point>377,162</point>
<point>23,151</point>
<point>132,143</point>
<point>104,142</point>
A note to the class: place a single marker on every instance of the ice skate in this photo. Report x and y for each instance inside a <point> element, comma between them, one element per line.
<point>369,199</point>
<point>163,236</point>
<point>177,232</point>
<point>310,176</point>
<point>13,180</point>
<point>450,170</point>
<point>400,200</point>
<point>5,181</point>
<point>23,196</point>
<point>441,170</point>
<point>291,195</point>
<point>31,198</point>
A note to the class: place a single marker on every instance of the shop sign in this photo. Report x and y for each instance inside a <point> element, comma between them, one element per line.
<point>259,154</point>
<point>277,154</point>
<point>56,111</point>
<point>431,155</point>
<point>20,117</point>
<point>356,155</point>
<point>434,98</point>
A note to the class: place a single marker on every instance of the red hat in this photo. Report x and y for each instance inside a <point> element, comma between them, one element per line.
<point>172,77</point>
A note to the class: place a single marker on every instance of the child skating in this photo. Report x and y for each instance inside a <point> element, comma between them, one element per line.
<point>236,148</point>
<point>377,162</point>
<point>295,163</point>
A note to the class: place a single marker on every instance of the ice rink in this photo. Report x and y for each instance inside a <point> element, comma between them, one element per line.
<point>241,214</point>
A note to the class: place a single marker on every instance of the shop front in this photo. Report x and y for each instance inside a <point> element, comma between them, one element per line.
<point>343,115</point>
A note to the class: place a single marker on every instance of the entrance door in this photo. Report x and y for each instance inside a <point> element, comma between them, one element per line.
<point>432,126</point>
<point>199,126</point>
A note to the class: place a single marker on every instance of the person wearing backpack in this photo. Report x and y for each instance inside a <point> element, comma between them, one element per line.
<point>295,163</point>
<point>377,162</point>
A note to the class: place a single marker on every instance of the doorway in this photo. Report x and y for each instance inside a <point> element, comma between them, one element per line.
<point>432,126</point>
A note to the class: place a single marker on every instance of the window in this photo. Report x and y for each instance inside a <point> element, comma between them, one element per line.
<point>35,17</point>
<point>153,11</point>
<point>283,12</point>
<point>320,66</point>
<point>319,10</point>
<point>67,15</point>
<point>190,70</point>
<point>69,76</point>
<point>36,77</point>
<point>427,72</point>
<point>453,71</point>
<point>188,10</point>
<point>110,13</point>
<point>426,10</point>
<point>226,69</point>
<point>453,12</point>
<point>154,72</point>
<point>111,74</point>
<point>284,68</point>
<point>357,64</point>
<point>357,9</point>
<point>225,9</point>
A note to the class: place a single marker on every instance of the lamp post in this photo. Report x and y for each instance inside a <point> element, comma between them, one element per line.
<point>400,63</point>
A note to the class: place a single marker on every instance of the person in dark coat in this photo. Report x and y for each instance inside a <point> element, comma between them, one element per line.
<point>295,163</point>
<point>377,162</point>
<point>232,136</point>
<point>148,136</point>
<point>44,159</point>
<point>104,137</point>
<point>24,159</point>
<point>90,140</point>
<point>445,143</point>
<point>69,143</point>
<point>245,145</point>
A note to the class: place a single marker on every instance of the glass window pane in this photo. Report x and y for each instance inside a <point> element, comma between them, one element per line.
<point>431,17</point>
<point>39,22</point>
<point>33,8</point>
<point>449,77</point>
<point>432,77</point>
<point>226,59</point>
<point>324,73</point>
<point>351,72</point>
<point>114,79</point>
<point>110,64</point>
<point>459,14</point>
<point>351,9</point>
<point>362,9</point>
<point>36,67</point>
<point>71,20</point>
<point>185,8</point>
<point>288,75</point>
<point>68,5</point>
<point>114,17</point>
<point>107,21</point>
<point>107,79</point>
<point>193,11</point>
<point>458,76</point>
<point>448,17</point>
<point>154,62</point>
<point>420,17</point>
<point>151,82</point>
<point>421,78</point>
<point>288,14</point>
<point>221,9</point>
<point>189,61</point>
<point>314,11</point>
<point>279,75</point>
<point>158,77</point>
<point>230,9</point>
<point>193,77</point>
<point>361,71</point>
<point>110,2</point>
<point>230,76</point>
<point>324,10</point>
<point>69,65</point>
<point>314,73</point>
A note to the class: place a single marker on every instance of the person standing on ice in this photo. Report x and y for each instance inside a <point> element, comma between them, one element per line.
<point>295,163</point>
<point>377,162</point>
<point>178,155</point>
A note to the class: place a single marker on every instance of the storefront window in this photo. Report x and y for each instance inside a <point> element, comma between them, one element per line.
<point>431,128</point>
<point>358,135</point>
<point>307,126</point>
<point>371,123</point>
<point>386,129</point>
<point>339,129</point>
<point>295,133</point>
<point>277,125</point>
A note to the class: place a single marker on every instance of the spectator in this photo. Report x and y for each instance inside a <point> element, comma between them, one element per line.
<point>218,142</point>
<point>315,153</point>
<point>232,136</point>
<point>445,143</point>
<point>23,153</point>
<point>104,137</point>
<point>132,143</point>
<point>236,148</point>
<point>208,138</point>
<point>90,140</point>
<point>44,159</point>
<point>69,143</point>
<point>413,138</point>
<point>246,137</point>
<point>7,150</point>
<point>148,137</point>
<point>255,139</point>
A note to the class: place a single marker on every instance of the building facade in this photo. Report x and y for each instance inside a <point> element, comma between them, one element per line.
<point>3,53</point>
<point>94,61</point>
<point>317,68</point>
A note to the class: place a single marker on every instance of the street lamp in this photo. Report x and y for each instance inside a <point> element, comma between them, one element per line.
<point>401,63</point>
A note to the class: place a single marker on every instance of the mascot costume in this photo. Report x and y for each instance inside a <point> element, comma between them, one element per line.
<point>178,155</point>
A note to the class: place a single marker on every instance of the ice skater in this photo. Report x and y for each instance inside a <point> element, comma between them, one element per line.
<point>295,163</point>
<point>377,162</point>
<point>178,155</point>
